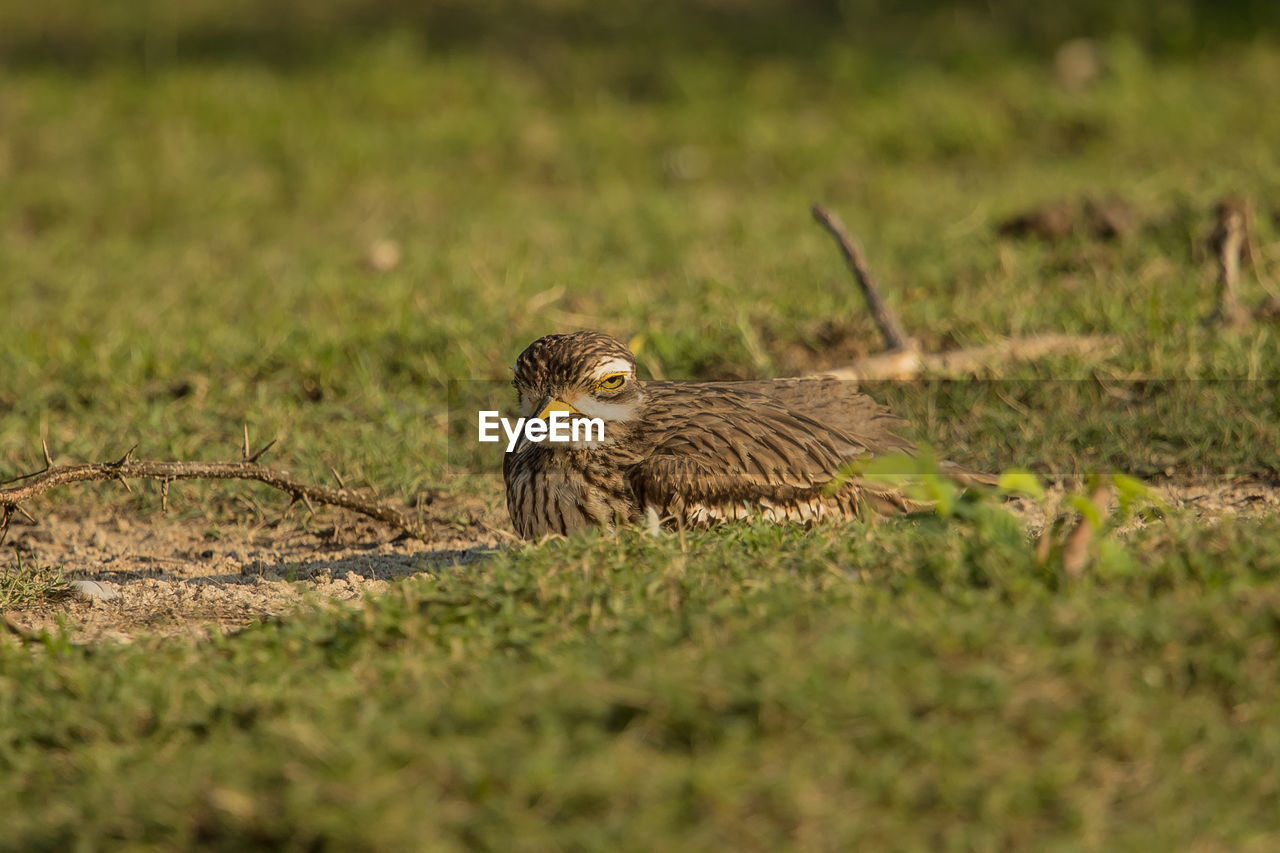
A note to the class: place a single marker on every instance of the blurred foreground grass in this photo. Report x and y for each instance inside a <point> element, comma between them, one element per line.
<point>922,685</point>
<point>199,227</point>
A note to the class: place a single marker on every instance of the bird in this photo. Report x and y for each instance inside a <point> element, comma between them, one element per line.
<point>693,454</point>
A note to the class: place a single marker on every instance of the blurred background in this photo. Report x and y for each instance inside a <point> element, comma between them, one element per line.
<point>311,215</point>
<point>80,32</point>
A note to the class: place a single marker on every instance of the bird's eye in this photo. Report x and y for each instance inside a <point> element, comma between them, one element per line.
<point>612,382</point>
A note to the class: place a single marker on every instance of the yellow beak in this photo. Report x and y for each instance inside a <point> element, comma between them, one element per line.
<point>551,404</point>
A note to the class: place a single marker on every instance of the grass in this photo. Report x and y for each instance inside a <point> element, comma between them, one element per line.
<point>184,248</point>
<point>24,585</point>
<point>189,209</point>
<point>917,685</point>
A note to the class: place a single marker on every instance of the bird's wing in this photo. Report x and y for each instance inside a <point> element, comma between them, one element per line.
<point>734,445</point>
<point>840,406</point>
<point>835,404</point>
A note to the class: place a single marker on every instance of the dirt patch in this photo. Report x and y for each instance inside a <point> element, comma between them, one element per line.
<point>170,577</point>
<point>1206,500</point>
<point>1246,498</point>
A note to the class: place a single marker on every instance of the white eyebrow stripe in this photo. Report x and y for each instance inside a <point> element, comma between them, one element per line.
<point>613,365</point>
<point>608,411</point>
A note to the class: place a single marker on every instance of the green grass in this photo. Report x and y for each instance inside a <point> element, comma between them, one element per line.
<point>24,585</point>
<point>921,684</point>
<point>204,226</point>
<point>189,204</point>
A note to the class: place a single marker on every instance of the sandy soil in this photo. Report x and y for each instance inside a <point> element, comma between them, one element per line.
<point>169,577</point>
<point>159,575</point>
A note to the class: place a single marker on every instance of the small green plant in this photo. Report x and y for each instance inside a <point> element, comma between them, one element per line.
<point>1070,543</point>
<point>1075,542</point>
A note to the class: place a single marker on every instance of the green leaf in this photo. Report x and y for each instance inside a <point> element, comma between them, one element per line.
<point>1020,481</point>
<point>1087,508</point>
<point>1132,492</point>
<point>896,467</point>
<point>940,490</point>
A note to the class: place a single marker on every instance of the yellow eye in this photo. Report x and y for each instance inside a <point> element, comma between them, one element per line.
<point>612,382</point>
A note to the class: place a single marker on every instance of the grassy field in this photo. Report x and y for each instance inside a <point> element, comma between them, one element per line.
<point>199,217</point>
<point>922,687</point>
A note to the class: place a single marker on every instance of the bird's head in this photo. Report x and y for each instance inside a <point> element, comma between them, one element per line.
<point>584,373</point>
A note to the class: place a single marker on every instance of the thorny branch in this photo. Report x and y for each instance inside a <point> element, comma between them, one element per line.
<point>247,468</point>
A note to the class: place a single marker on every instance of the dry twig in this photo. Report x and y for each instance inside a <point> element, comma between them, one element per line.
<point>895,339</point>
<point>128,468</point>
<point>1229,241</point>
<point>910,364</point>
<point>1075,550</point>
<point>903,359</point>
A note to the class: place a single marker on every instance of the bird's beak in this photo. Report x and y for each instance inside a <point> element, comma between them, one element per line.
<point>551,404</point>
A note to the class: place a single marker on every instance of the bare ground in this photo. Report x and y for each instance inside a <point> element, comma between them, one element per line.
<point>165,576</point>
<point>172,576</point>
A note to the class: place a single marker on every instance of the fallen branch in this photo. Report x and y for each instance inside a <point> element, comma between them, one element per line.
<point>911,364</point>
<point>247,468</point>
<point>895,339</point>
<point>904,360</point>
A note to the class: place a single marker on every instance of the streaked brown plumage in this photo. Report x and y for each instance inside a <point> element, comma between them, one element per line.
<point>694,453</point>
